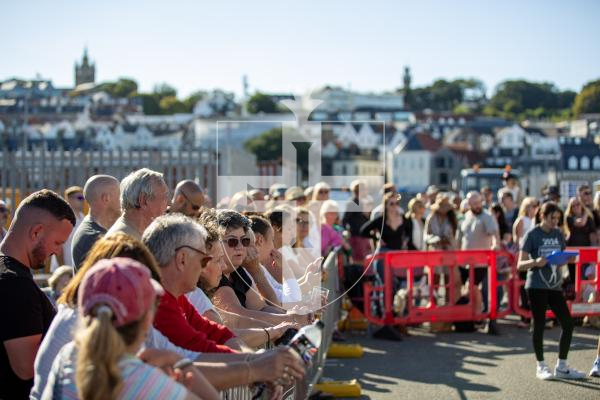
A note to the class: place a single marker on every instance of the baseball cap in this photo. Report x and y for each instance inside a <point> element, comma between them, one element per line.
<point>123,284</point>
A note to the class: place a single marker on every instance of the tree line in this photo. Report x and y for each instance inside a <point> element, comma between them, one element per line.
<point>512,99</point>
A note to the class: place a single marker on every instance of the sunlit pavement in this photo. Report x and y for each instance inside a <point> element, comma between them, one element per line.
<point>466,365</point>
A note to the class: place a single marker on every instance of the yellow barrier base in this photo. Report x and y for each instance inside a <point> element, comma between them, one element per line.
<point>353,324</point>
<point>339,350</point>
<point>340,388</point>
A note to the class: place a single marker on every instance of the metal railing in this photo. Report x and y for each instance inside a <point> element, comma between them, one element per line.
<point>24,172</point>
<point>329,316</point>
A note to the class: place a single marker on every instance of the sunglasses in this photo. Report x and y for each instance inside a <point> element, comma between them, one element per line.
<point>205,260</point>
<point>234,242</point>
<point>587,193</point>
<point>3,210</point>
<point>323,191</point>
<point>301,221</point>
<point>393,203</point>
<point>194,206</point>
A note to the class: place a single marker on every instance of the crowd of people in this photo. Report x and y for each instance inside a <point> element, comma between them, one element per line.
<point>156,294</point>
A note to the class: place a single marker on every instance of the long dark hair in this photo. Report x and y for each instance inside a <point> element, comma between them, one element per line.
<point>500,218</point>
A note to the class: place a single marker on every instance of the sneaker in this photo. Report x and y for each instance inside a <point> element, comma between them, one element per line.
<point>568,373</point>
<point>595,369</point>
<point>544,373</point>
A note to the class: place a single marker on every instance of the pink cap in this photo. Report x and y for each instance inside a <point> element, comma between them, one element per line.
<point>123,284</point>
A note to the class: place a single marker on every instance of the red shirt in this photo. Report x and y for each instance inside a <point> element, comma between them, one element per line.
<point>179,321</point>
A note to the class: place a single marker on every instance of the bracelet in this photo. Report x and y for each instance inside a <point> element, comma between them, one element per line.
<point>268,335</point>
<point>183,363</point>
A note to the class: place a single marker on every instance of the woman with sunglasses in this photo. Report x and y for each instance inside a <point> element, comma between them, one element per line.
<point>544,290</point>
<point>237,292</point>
<point>257,333</point>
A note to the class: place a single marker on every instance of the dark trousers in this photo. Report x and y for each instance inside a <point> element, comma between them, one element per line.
<point>539,301</point>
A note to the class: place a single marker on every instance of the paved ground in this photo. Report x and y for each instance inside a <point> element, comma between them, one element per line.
<point>466,366</point>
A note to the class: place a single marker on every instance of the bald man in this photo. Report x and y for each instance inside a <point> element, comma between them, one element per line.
<point>188,198</point>
<point>102,194</point>
<point>41,225</point>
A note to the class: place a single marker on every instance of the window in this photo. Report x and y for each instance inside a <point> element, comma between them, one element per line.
<point>573,162</point>
<point>585,163</point>
<point>596,163</point>
<point>344,171</point>
<point>443,178</point>
<point>440,162</point>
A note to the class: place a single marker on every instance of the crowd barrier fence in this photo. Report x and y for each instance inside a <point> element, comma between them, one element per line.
<point>329,315</point>
<point>392,270</point>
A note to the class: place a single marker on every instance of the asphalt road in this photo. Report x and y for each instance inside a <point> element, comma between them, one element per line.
<point>466,366</point>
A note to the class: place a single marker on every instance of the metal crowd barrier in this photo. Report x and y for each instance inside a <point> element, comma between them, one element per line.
<point>379,293</point>
<point>301,390</point>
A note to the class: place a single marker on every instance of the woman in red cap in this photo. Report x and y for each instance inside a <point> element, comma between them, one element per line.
<point>116,301</point>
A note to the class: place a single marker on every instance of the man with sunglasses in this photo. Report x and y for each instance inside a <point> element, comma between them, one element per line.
<point>178,244</point>
<point>188,198</point>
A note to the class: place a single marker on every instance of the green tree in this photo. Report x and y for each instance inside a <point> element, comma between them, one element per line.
<point>520,99</point>
<point>125,87</point>
<point>588,100</point>
<point>192,99</point>
<point>268,146</point>
<point>261,102</point>
<point>171,105</point>
<point>164,90</point>
<point>150,103</point>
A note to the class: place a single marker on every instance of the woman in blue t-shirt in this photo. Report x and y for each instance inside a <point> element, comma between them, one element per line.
<point>543,286</point>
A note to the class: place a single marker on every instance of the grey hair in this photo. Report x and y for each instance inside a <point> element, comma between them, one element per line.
<point>168,232</point>
<point>136,183</point>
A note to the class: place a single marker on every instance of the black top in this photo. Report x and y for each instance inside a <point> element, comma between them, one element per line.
<point>393,239</point>
<point>240,282</point>
<point>84,238</point>
<point>580,235</point>
<point>25,311</point>
<point>354,220</point>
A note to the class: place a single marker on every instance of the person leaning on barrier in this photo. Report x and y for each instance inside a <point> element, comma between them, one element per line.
<point>144,196</point>
<point>61,330</point>
<point>102,194</point>
<point>209,280</point>
<point>41,225</point>
<point>116,301</point>
<point>236,292</point>
<point>544,290</point>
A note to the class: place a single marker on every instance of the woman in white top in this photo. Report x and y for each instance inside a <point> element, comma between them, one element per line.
<point>526,219</point>
<point>523,224</point>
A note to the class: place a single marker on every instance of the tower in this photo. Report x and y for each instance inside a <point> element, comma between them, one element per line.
<point>86,71</point>
<point>406,79</point>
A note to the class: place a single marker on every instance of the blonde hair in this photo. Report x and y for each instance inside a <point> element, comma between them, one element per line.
<point>527,202</point>
<point>328,206</point>
<point>100,347</point>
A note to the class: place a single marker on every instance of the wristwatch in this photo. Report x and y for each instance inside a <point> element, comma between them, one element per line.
<point>183,363</point>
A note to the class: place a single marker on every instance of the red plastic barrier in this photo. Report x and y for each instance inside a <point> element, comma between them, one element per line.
<point>579,306</point>
<point>409,264</point>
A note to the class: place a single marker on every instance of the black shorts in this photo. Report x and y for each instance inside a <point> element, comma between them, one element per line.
<point>480,274</point>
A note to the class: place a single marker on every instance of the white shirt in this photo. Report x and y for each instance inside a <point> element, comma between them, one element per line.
<point>200,301</point>
<point>277,287</point>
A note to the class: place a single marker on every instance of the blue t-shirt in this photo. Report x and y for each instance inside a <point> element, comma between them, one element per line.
<point>541,244</point>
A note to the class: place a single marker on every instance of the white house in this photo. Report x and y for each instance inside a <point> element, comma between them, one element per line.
<point>410,165</point>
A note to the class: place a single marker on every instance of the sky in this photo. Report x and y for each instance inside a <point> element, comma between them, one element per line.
<point>289,46</point>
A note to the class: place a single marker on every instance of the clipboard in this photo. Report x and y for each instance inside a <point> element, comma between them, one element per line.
<point>560,257</point>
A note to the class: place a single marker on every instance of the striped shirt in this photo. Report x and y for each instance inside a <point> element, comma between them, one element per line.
<point>139,380</point>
